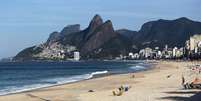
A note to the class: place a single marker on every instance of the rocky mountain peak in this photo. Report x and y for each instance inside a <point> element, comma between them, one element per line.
<point>107,26</point>
<point>95,22</point>
<point>109,23</point>
<point>101,35</point>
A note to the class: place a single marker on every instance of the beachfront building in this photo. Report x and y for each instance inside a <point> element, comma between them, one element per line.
<point>157,54</point>
<point>136,56</point>
<point>174,51</point>
<point>146,53</point>
<point>167,53</point>
<point>121,56</point>
<point>193,46</point>
<point>76,56</point>
<point>177,53</point>
<point>131,55</point>
<point>194,42</point>
<point>166,48</point>
<point>180,52</point>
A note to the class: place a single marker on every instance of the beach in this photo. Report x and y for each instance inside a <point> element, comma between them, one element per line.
<point>162,83</point>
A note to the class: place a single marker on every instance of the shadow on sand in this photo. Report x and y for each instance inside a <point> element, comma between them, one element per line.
<point>196,97</point>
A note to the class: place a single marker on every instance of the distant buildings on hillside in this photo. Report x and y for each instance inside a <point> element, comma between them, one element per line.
<point>58,52</point>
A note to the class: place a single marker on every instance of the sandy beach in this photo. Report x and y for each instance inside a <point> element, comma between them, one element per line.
<point>162,83</point>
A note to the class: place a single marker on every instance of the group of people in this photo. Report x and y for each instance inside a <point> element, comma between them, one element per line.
<point>195,82</point>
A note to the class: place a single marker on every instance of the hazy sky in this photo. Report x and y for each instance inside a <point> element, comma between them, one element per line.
<point>25,23</point>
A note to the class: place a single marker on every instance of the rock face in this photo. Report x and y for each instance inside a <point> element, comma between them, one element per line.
<point>95,23</point>
<point>101,35</point>
<point>100,41</point>
<point>56,36</point>
<point>91,40</point>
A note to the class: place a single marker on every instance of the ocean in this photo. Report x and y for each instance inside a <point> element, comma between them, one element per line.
<point>18,77</point>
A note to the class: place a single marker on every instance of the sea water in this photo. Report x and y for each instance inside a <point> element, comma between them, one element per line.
<point>24,76</point>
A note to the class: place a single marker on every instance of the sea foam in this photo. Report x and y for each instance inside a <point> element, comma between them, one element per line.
<point>138,67</point>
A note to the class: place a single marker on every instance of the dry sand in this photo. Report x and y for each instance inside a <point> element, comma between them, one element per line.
<point>163,83</point>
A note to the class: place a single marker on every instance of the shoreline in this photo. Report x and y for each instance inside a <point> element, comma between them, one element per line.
<point>150,67</point>
<point>140,91</point>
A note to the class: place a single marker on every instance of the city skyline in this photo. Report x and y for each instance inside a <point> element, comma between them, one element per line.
<point>27,23</point>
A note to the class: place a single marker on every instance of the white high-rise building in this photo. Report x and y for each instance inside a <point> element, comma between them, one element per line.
<point>76,56</point>
<point>148,52</point>
<point>174,51</point>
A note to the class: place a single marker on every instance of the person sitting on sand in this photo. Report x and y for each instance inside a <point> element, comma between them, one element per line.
<point>183,80</point>
<point>123,88</point>
<point>133,76</point>
<point>119,93</point>
<point>195,84</point>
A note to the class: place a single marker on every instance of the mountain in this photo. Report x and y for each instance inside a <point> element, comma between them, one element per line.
<point>170,32</point>
<point>99,36</point>
<point>161,32</point>
<point>94,38</point>
<point>100,41</point>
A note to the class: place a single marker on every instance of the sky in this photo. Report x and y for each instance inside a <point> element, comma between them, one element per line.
<point>24,23</point>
